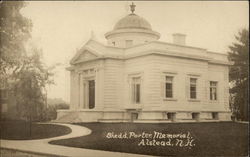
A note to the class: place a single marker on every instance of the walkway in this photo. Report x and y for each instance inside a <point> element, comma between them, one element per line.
<point>42,146</point>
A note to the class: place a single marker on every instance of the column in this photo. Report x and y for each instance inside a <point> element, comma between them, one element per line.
<point>72,87</point>
<point>81,92</point>
<point>85,94</point>
<point>100,85</point>
<point>78,90</point>
<point>96,88</point>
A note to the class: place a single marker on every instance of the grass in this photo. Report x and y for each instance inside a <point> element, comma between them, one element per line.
<point>210,139</point>
<point>20,130</point>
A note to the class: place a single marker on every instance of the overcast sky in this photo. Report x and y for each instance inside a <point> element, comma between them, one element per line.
<point>61,27</point>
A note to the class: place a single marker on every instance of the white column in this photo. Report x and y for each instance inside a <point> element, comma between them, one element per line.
<point>75,90</point>
<point>96,89</point>
<point>86,95</point>
<point>81,92</point>
<point>78,90</point>
<point>72,86</point>
<point>100,86</point>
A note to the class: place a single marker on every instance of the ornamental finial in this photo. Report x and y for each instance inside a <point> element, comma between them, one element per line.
<point>132,7</point>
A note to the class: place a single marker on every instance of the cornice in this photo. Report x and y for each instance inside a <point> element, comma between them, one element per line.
<point>122,31</point>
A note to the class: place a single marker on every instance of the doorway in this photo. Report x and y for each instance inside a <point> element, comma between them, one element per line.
<point>91,94</point>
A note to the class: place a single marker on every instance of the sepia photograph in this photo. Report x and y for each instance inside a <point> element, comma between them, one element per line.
<point>124,78</point>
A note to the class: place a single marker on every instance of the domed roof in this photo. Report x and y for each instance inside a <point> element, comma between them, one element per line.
<point>132,21</point>
<point>132,24</point>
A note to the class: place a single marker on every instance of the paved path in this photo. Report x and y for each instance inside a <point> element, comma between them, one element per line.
<point>42,145</point>
<point>243,122</point>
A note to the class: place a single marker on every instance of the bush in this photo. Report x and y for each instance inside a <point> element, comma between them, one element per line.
<point>50,112</point>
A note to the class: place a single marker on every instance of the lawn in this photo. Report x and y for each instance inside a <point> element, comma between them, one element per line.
<point>20,130</point>
<point>199,139</point>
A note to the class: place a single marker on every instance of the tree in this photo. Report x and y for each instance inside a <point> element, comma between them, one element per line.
<point>239,74</point>
<point>29,87</point>
<point>24,71</point>
<point>14,32</point>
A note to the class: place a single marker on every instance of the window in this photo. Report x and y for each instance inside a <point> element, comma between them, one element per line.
<point>129,43</point>
<point>215,115</point>
<point>193,84</point>
<point>136,90</point>
<point>195,116</point>
<point>169,87</point>
<point>171,116</point>
<point>113,43</point>
<point>134,116</point>
<point>213,90</point>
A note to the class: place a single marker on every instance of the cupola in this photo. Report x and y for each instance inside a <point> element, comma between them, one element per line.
<point>131,30</point>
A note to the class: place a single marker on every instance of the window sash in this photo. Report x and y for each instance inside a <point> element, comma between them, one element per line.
<point>213,93</point>
<point>193,92</point>
<point>193,88</point>
<point>169,86</point>
<point>213,84</point>
<point>213,90</point>
<point>193,81</point>
<point>169,90</point>
<point>169,79</point>
<point>136,90</point>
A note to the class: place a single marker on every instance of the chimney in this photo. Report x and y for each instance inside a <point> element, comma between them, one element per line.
<point>179,39</point>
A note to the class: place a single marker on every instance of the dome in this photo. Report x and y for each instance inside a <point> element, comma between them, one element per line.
<point>132,21</point>
<point>131,30</point>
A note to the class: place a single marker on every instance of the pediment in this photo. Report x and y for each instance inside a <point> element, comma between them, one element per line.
<point>84,55</point>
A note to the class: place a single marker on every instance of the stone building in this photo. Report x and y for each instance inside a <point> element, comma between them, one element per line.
<point>136,77</point>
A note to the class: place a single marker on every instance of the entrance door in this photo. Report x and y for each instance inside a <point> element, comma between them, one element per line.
<point>91,94</point>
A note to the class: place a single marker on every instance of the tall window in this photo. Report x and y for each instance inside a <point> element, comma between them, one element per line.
<point>169,87</point>
<point>193,86</point>
<point>136,90</point>
<point>129,43</point>
<point>213,90</point>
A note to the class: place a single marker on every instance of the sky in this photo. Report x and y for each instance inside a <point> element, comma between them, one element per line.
<point>62,27</point>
